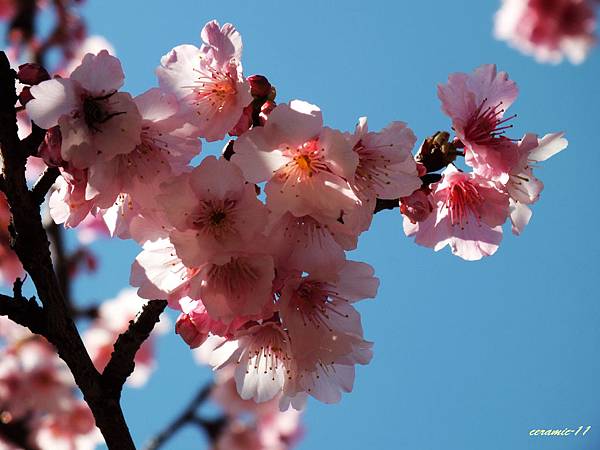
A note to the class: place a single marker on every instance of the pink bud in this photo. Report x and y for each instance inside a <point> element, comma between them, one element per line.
<point>417,206</point>
<point>32,74</point>
<point>25,95</point>
<point>259,86</point>
<point>185,328</point>
<point>50,149</point>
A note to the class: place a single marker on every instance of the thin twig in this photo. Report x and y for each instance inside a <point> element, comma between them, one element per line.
<point>187,416</point>
<point>25,312</point>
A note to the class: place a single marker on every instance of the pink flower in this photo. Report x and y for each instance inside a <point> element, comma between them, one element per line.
<point>323,325</point>
<point>476,103</point>
<point>240,287</point>
<point>326,336</point>
<point>523,187</point>
<point>275,431</point>
<point>386,168</point>
<point>158,272</point>
<point>71,428</point>
<point>67,203</point>
<point>262,358</point>
<point>113,319</point>
<point>306,165</point>
<point>166,147</point>
<point>33,378</point>
<point>208,81</point>
<point>469,213</point>
<point>305,244</point>
<point>548,29</point>
<point>96,122</point>
<point>215,212</point>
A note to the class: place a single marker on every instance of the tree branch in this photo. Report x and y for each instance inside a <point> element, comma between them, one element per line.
<point>32,142</point>
<point>25,312</point>
<point>188,416</point>
<point>30,242</point>
<point>382,204</point>
<point>121,363</point>
<point>44,183</point>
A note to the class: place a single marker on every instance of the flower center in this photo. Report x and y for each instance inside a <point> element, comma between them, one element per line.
<point>463,200</point>
<point>95,112</point>
<point>214,89</point>
<point>487,127</point>
<point>305,161</point>
<point>313,301</point>
<point>215,217</point>
<point>268,351</point>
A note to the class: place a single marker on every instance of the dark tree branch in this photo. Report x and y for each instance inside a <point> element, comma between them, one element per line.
<point>25,312</point>
<point>60,260</point>
<point>382,204</point>
<point>186,417</point>
<point>121,363</point>
<point>44,183</point>
<point>30,242</point>
<point>32,142</point>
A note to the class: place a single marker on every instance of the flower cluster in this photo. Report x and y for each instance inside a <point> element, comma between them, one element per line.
<point>467,210</point>
<point>548,29</point>
<point>250,247</point>
<point>37,394</point>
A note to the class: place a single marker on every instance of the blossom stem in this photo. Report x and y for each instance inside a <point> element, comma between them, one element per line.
<point>186,417</point>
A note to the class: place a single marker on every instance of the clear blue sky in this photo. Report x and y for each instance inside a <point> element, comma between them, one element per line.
<point>468,356</point>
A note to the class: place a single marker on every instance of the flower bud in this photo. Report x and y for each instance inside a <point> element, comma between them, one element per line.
<point>49,150</point>
<point>25,95</point>
<point>185,328</point>
<point>259,86</point>
<point>32,74</point>
<point>417,206</point>
<point>437,152</point>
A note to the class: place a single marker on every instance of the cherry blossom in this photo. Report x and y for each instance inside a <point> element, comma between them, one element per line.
<point>71,428</point>
<point>208,81</point>
<point>469,213</point>
<point>476,103</point>
<point>306,165</point>
<point>523,187</point>
<point>215,212</point>
<point>96,121</point>
<point>548,29</point>
<point>386,168</point>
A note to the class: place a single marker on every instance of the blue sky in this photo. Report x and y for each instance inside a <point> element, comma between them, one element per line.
<point>467,355</point>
